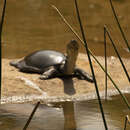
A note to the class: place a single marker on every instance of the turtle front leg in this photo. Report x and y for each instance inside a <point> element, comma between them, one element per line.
<point>50,73</point>
<point>81,74</point>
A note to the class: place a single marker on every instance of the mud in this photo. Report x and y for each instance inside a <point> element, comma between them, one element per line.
<point>22,87</point>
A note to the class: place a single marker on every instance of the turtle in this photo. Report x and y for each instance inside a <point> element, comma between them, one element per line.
<point>50,64</point>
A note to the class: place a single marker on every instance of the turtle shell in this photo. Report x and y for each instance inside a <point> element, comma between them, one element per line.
<point>44,58</point>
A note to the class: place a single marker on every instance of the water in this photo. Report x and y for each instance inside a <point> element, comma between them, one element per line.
<point>32,25</point>
<point>87,116</point>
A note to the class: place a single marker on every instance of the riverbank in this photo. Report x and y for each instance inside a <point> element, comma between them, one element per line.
<point>18,87</point>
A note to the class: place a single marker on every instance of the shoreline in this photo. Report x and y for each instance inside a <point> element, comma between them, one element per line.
<point>18,86</point>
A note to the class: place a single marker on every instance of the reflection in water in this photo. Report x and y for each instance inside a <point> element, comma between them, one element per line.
<point>87,116</point>
<point>69,116</point>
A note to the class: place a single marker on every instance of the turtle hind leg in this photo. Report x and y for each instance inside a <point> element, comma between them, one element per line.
<point>30,69</point>
<point>21,65</point>
<point>81,74</point>
<point>50,73</point>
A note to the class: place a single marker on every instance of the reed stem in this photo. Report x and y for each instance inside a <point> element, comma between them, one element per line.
<point>126,120</point>
<point>105,54</point>
<point>1,29</point>
<point>31,116</point>
<point>118,23</point>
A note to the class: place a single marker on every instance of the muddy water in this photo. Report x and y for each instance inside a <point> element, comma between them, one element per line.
<point>87,116</point>
<point>31,25</point>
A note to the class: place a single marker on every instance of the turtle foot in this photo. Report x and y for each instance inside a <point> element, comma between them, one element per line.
<point>44,77</point>
<point>81,74</point>
<point>50,73</point>
<point>86,77</point>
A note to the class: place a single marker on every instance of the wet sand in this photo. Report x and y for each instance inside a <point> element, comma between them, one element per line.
<point>18,87</point>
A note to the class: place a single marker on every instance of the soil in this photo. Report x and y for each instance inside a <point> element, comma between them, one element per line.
<point>18,87</point>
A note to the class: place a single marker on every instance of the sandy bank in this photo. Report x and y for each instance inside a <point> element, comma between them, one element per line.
<point>19,87</point>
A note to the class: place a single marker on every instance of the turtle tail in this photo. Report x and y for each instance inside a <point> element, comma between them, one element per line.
<point>14,63</point>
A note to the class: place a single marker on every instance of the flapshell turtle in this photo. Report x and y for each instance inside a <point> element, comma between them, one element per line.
<point>49,63</point>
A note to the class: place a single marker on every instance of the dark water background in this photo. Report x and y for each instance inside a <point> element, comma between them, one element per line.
<point>32,25</point>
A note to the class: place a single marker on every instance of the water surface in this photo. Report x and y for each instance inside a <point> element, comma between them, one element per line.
<point>32,25</point>
<point>87,116</point>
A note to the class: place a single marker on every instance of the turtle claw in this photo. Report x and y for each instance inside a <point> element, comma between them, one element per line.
<point>44,77</point>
